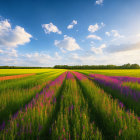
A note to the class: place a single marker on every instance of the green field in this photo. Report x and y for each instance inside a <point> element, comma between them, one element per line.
<point>70,105</point>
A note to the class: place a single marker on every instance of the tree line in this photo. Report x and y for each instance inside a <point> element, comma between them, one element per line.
<point>125,66</point>
<point>20,67</point>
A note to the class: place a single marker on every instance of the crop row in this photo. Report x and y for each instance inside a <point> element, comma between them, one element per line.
<point>112,119</point>
<point>14,98</point>
<point>72,107</point>
<point>115,86</point>
<point>73,121</point>
<point>28,123</point>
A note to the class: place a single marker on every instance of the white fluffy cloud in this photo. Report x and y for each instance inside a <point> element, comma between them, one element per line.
<point>94,37</point>
<point>114,33</point>
<point>12,37</point>
<point>99,2</point>
<point>98,50</point>
<point>96,27</point>
<point>48,28</point>
<point>74,22</point>
<point>93,28</point>
<point>68,43</point>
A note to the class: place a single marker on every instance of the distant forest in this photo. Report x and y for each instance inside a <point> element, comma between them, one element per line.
<point>20,67</point>
<point>125,66</point>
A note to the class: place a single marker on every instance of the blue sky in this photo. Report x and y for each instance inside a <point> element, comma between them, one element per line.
<point>51,32</point>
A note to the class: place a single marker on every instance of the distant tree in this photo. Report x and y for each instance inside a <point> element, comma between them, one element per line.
<point>125,66</point>
<point>134,66</point>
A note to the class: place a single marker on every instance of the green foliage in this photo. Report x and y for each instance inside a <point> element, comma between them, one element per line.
<point>125,66</point>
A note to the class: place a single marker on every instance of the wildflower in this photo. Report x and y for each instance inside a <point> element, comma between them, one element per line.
<point>121,104</point>
<point>72,107</point>
<point>83,127</point>
<point>120,132</point>
<point>2,126</point>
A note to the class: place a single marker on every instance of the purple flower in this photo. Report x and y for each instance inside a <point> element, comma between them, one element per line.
<point>2,126</point>
<point>121,104</point>
<point>70,75</point>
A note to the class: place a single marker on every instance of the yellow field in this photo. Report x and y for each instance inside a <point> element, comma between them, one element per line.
<point>126,72</point>
<point>4,72</point>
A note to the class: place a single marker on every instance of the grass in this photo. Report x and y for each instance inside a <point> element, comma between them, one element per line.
<point>112,119</point>
<point>8,72</point>
<point>18,92</point>
<point>73,121</point>
<point>132,85</point>
<point>122,72</point>
<point>56,104</point>
<point>30,121</point>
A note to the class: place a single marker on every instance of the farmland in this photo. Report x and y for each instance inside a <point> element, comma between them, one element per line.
<point>70,105</point>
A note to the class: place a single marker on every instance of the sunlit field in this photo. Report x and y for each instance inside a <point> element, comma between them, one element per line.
<point>67,105</point>
<point>121,72</point>
<point>7,72</point>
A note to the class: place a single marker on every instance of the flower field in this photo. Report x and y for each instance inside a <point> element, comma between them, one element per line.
<point>58,104</point>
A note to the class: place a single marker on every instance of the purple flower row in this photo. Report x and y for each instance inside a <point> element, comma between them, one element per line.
<point>47,94</point>
<point>69,75</point>
<point>116,84</point>
<point>126,78</point>
<point>80,76</point>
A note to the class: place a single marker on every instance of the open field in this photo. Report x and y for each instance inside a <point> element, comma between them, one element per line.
<point>15,76</point>
<point>114,72</point>
<point>7,72</point>
<point>70,105</point>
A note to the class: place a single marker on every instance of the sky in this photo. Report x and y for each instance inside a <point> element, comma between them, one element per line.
<point>69,32</point>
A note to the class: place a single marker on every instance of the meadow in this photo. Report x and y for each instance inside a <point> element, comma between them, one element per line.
<point>60,104</point>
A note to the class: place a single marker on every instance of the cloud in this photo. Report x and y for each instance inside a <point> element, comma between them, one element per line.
<point>108,33</point>
<point>99,2</point>
<point>102,24</point>
<point>76,59</point>
<point>94,37</point>
<point>96,27</point>
<point>68,43</point>
<point>12,37</point>
<point>9,52</point>
<point>39,59</point>
<point>138,35</point>
<point>122,48</point>
<point>1,51</point>
<point>48,28</point>
<point>93,28</point>
<point>114,33</point>
<point>74,22</point>
<point>98,50</point>
<point>57,56</point>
